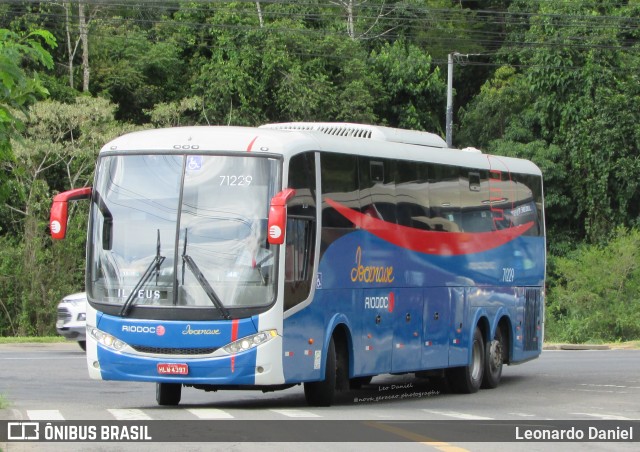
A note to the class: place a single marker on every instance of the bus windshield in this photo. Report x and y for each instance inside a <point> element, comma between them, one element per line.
<point>182,231</point>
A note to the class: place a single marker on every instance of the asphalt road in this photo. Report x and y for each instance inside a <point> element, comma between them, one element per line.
<point>589,388</point>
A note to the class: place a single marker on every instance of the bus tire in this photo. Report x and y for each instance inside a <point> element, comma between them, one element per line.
<point>467,379</point>
<point>493,361</point>
<point>321,393</point>
<point>168,393</point>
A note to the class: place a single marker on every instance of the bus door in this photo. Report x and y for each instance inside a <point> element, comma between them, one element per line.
<point>407,329</point>
<point>435,337</point>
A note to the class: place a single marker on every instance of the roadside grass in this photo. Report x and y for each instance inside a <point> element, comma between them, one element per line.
<point>35,340</point>
<point>628,345</point>
<point>625,345</point>
<point>4,403</point>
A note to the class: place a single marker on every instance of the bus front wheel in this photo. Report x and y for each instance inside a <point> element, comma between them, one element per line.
<point>168,393</point>
<point>321,393</point>
<point>468,379</point>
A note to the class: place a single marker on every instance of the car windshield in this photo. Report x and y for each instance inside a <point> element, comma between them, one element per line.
<point>182,230</point>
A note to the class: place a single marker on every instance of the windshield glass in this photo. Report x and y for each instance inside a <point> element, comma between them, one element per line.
<point>182,230</point>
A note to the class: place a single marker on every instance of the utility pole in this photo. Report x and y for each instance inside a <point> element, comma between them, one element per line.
<point>449,119</point>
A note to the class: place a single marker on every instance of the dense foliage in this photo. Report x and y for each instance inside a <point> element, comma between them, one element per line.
<point>554,82</point>
<point>596,292</point>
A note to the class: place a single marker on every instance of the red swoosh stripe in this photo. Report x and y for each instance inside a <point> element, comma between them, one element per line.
<point>234,337</point>
<point>250,147</point>
<point>430,242</point>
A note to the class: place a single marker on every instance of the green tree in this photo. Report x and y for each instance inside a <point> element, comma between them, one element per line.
<point>501,102</point>
<point>413,90</point>
<point>19,83</point>
<point>57,152</point>
<point>137,72</point>
<point>577,92</point>
<point>250,74</point>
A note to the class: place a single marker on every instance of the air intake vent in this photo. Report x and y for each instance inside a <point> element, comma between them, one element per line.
<point>348,130</point>
<point>345,131</point>
<point>338,130</point>
<point>532,317</point>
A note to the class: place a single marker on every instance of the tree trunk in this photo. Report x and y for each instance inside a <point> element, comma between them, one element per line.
<point>70,50</point>
<point>260,14</point>
<point>84,38</point>
<point>350,26</point>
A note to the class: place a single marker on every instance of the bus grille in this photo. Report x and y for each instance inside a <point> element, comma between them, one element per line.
<point>173,351</point>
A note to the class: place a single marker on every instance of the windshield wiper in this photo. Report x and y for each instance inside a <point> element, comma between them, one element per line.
<point>156,262</point>
<point>193,267</point>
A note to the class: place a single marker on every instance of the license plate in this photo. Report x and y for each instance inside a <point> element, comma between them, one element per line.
<point>59,323</point>
<point>173,369</point>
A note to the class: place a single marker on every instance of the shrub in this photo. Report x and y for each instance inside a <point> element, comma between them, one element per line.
<point>596,295</point>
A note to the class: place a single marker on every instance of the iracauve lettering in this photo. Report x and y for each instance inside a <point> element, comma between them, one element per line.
<point>370,273</point>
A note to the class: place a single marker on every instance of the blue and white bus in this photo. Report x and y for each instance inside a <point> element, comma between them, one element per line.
<point>320,254</point>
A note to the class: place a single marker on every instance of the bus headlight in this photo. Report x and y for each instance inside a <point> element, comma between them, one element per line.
<point>106,339</point>
<point>249,342</point>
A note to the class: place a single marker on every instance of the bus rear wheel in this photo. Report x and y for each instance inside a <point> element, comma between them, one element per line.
<point>321,393</point>
<point>493,361</point>
<point>168,393</point>
<point>468,379</point>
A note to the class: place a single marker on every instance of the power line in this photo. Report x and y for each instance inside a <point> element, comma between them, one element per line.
<point>479,16</point>
<point>480,37</point>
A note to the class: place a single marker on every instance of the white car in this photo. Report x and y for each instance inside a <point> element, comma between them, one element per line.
<point>71,321</point>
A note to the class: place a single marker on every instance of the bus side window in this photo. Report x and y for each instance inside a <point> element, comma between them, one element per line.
<point>298,246</point>
<point>444,198</point>
<point>475,213</point>
<point>412,195</point>
<point>527,207</point>
<point>377,190</point>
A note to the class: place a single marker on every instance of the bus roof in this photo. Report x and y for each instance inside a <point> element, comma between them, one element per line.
<point>287,139</point>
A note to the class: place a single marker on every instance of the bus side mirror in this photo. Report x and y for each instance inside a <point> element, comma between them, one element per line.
<point>277,223</point>
<point>59,210</point>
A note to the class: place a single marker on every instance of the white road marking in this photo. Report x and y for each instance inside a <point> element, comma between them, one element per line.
<point>209,413</point>
<point>606,417</point>
<point>608,386</point>
<point>599,391</point>
<point>295,413</point>
<point>130,414</point>
<point>45,415</point>
<point>49,358</point>
<point>456,415</point>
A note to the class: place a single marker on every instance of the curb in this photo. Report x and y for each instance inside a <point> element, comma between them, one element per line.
<point>575,347</point>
